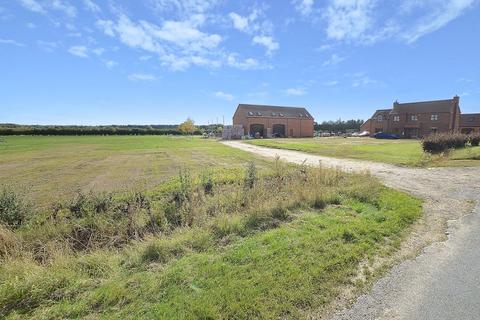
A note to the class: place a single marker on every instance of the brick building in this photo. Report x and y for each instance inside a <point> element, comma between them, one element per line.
<point>268,121</point>
<point>470,123</point>
<point>418,119</point>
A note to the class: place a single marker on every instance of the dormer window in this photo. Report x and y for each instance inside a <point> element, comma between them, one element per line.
<point>300,115</point>
<point>273,114</point>
<point>414,117</point>
<point>434,117</point>
<point>380,118</point>
<point>396,118</point>
<point>281,114</point>
<point>259,113</point>
<point>250,113</point>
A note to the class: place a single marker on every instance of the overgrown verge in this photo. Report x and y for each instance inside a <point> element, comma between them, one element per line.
<point>255,245</point>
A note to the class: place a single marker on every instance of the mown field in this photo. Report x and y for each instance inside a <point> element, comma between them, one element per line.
<point>232,239</point>
<point>53,167</point>
<point>398,152</point>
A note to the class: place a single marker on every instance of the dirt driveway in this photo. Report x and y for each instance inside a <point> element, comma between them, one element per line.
<point>439,277</point>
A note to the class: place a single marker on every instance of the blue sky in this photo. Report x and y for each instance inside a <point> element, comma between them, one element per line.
<point>159,61</point>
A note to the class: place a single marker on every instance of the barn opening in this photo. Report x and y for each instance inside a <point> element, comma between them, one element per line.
<point>257,130</point>
<point>278,130</point>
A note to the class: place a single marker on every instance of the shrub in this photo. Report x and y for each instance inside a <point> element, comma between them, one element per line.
<point>475,139</point>
<point>438,143</point>
<point>13,208</point>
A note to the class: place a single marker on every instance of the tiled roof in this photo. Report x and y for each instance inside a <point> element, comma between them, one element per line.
<point>424,107</point>
<point>255,110</point>
<point>470,119</point>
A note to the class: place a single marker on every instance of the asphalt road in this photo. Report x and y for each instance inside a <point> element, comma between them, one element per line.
<point>439,277</point>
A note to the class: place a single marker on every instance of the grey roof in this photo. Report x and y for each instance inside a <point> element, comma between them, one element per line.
<point>382,112</point>
<point>470,119</point>
<point>255,110</point>
<point>424,107</point>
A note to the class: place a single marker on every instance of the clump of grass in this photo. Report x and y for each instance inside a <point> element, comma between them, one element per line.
<point>14,210</point>
<point>250,175</point>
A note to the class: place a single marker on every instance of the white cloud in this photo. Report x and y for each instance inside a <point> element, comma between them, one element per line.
<point>79,51</point>
<point>267,42</point>
<point>145,58</point>
<point>247,64</point>
<point>368,21</point>
<point>443,13</point>
<point>324,47</point>
<point>183,8</point>
<point>295,91</point>
<point>98,51</point>
<point>92,6</point>
<point>331,83</point>
<point>239,22</point>
<point>224,96</point>
<point>362,80</point>
<point>48,46</point>
<point>142,77</point>
<point>349,19</point>
<point>303,6</point>
<point>333,60</point>
<point>31,25</point>
<point>11,42</point>
<point>65,7</point>
<point>111,64</point>
<point>43,7</point>
<point>178,44</point>
<point>33,5</point>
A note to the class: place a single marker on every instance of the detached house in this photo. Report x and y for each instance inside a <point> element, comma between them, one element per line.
<point>417,119</point>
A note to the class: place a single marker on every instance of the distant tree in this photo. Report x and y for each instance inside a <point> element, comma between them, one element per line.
<point>187,127</point>
<point>339,125</point>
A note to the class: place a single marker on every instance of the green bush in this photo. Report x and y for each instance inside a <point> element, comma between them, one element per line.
<point>438,143</point>
<point>474,139</point>
<point>14,210</point>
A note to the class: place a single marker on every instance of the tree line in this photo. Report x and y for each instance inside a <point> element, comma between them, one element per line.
<point>188,127</point>
<point>338,125</point>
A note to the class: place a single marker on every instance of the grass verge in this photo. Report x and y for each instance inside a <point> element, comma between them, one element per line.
<point>398,152</point>
<point>277,244</point>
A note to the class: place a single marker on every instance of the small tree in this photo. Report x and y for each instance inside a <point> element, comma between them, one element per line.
<point>187,127</point>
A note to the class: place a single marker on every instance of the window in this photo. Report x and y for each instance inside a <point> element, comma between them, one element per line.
<point>380,118</point>
<point>250,113</point>
<point>396,118</point>
<point>414,117</point>
<point>274,114</point>
<point>434,117</point>
<point>433,130</point>
<point>281,114</point>
<point>300,115</point>
<point>259,113</point>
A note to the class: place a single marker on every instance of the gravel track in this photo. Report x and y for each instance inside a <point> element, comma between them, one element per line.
<point>439,273</point>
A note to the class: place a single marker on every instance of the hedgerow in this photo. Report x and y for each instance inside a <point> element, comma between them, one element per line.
<point>438,143</point>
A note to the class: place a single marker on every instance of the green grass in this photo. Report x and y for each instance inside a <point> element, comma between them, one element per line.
<point>54,167</point>
<point>398,152</point>
<point>283,247</point>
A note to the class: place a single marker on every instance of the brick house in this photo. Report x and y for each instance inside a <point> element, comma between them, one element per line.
<point>470,123</point>
<point>268,121</point>
<point>416,119</point>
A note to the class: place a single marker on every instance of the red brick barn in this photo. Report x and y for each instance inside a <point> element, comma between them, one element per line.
<point>274,121</point>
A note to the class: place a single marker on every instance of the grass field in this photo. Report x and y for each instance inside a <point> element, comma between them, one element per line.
<point>49,168</point>
<point>399,152</point>
<point>184,228</point>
